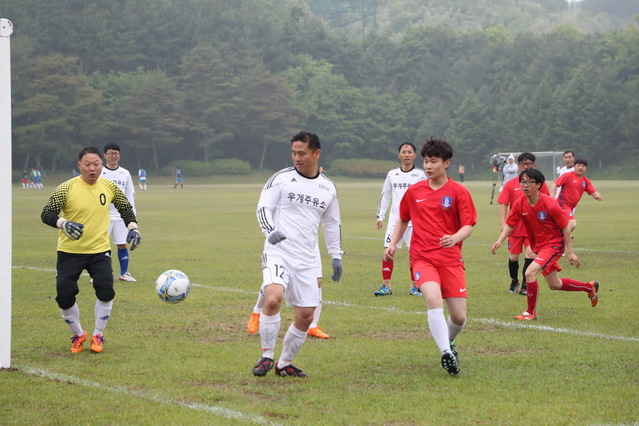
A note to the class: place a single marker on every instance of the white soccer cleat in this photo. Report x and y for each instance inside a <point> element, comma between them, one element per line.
<point>127,277</point>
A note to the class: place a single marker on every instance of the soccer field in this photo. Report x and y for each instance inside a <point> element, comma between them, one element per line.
<point>190,363</point>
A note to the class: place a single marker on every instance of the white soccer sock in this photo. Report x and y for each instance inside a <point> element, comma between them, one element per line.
<point>72,317</point>
<point>439,329</point>
<point>454,329</point>
<point>102,314</point>
<point>269,330</point>
<point>293,341</point>
<point>257,309</point>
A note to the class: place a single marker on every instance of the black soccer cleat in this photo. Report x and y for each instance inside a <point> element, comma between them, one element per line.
<point>263,366</point>
<point>290,370</point>
<point>449,362</point>
<point>514,285</point>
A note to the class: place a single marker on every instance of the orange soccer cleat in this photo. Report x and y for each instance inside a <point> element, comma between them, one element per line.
<point>77,342</point>
<point>97,343</point>
<point>253,324</point>
<point>526,317</point>
<point>317,332</point>
<point>594,293</point>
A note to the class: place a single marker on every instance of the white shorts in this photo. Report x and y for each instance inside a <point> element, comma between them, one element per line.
<point>300,283</point>
<point>118,231</point>
<point>405,238</point>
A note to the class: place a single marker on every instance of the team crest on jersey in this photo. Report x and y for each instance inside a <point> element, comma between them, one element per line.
<point>542,215</point>
<point>447,202</point>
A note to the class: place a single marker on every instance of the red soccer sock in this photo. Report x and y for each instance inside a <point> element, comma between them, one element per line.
<point>387,270</point>
<point>571,285</point>
<point>532,292</point>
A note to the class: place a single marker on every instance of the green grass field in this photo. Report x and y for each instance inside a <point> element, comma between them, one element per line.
<point>191,363</point>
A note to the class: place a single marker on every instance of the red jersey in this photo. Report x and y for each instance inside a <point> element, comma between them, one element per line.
<point>572,188</point>
<point>544,222</point>
<point>510,193</point>
<point>436,213</point>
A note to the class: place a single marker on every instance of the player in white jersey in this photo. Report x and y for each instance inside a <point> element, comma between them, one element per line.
<point>569,166</point>
<point>117,230</point>
<point>397,182</point>
<point>293,203</point>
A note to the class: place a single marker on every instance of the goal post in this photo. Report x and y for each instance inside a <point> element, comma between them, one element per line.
<point>6,29</point>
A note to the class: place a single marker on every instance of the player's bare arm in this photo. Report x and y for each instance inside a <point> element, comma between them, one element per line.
<point>448,241</point>
<point>570,253</point>
<point>597,196</point>
<point>504,234</point>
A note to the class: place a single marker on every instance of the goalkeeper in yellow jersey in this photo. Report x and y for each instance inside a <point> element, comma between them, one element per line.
<point>79,207</point>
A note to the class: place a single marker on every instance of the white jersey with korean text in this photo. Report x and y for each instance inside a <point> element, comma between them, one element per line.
<point>395,186</point>
<point>296,205</point>
<point>122,178</point>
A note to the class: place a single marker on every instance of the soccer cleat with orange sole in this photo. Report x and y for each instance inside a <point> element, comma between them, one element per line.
<point>526,317</point>
<point>253,324</point>
<point>317,332</point>
<point>594,293</point>
<point>97,343</point>
<point>77,342</point>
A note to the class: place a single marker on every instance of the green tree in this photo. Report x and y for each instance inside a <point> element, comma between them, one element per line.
<point>469,130</point>
<point>56,111</point>
<point>210,97</point>
<point>152,118</point>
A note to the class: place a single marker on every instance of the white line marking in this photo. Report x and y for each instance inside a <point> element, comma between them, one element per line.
<point>223,412</point>
<point>488,321</point>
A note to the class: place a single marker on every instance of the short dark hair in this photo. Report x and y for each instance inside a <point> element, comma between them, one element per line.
<point>571,152</point>
<point>526,156</point>
<point>581,161</point>
<point>399,149</point>
<point>437,148</point>
<point>533,174</point>
<point>311,139</point>
<point>113,146</point>
<point>89,150</point>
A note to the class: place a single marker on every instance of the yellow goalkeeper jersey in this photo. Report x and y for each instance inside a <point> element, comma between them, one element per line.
<point>77,201</point>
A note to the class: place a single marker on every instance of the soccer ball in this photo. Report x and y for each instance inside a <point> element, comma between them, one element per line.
<point>173,286</point>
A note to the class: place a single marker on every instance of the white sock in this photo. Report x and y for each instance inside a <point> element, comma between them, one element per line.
<point>269,330</point>
<point>293,341</point>
<point>454,329</point>
<point>72,317</point>
<point>102,314</point>
<point>257,309</point>
<point>439,329</point>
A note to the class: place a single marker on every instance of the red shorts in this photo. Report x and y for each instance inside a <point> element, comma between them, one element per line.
<point>570,211</point>
<point>548,258</point>
<point>451,279</point>
<point>516,245</point>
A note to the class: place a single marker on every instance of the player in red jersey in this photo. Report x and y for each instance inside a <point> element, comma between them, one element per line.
<point>518,239</point>
<point>443,215</point>
<point>549,234</point>
<point>572,186</point>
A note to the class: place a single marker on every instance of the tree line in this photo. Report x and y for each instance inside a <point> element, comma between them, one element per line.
<point>201,80</point>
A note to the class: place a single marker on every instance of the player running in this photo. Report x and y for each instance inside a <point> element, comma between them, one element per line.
<point>293,203</point>
<point>549,234</point>
<point>570,187</point>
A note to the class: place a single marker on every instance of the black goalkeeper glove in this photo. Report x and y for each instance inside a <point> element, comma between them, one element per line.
<point>73,230</point>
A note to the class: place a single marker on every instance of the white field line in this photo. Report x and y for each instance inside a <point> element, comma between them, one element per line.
<point>489,321</point>
<point>120,390</point>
